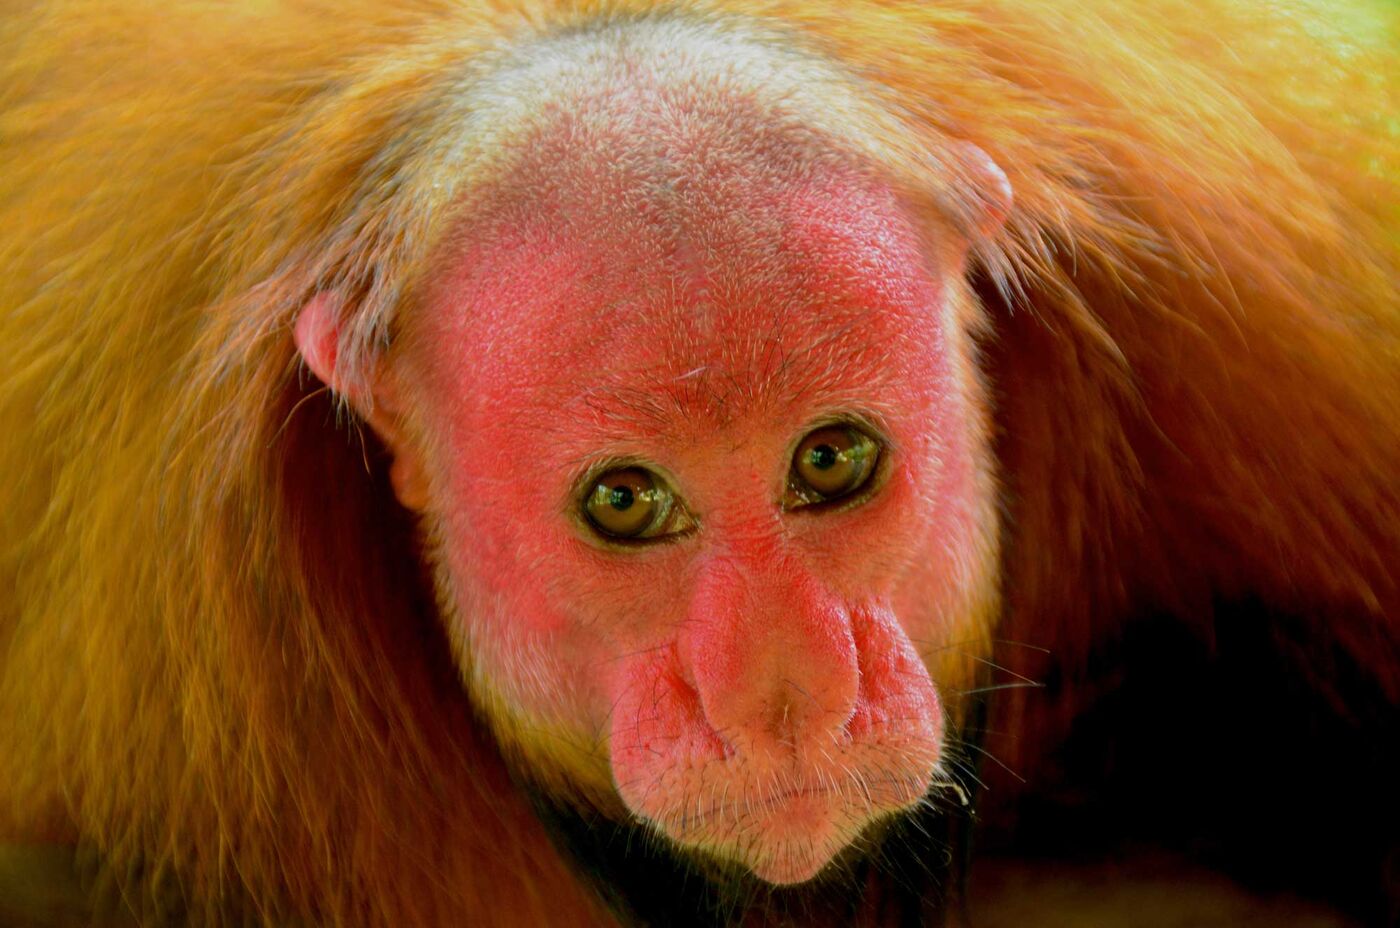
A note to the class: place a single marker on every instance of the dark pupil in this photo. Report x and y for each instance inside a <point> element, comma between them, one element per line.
<point>823,457</point>
<point>621,498</point>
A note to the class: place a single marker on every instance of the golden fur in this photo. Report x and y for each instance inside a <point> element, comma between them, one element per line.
<point>218,665</point>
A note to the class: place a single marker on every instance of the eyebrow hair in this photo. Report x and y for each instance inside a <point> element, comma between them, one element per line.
<point>626,409</point>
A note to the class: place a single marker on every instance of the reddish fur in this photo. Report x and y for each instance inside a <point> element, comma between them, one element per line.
<point>1194,393</point>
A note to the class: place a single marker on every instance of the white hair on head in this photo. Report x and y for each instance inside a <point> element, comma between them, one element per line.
<point>683,75</point>
<point>611,70</point>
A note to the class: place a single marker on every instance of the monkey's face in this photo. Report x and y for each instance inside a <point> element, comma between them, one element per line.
<point>705,501</point>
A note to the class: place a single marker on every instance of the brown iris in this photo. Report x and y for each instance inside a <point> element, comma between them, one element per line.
<point>628,503</point>
<point>831,462</point>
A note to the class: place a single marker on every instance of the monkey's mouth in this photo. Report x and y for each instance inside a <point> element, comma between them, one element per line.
<point>783,829</point>
<point>889,792</point>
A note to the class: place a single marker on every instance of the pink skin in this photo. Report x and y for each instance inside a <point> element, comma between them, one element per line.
<point>753,683</point>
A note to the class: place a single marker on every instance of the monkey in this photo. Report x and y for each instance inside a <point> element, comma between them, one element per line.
<point>588,463</point>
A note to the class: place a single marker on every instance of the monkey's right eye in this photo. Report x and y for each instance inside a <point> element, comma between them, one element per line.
<point>632,503</point>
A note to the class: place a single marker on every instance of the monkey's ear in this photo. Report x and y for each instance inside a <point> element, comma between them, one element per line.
<point>990,186</point>
<point>317,337</point>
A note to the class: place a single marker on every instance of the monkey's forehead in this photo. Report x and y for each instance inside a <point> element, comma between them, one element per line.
<point>719,195</point>
<point>610,296</point>
<point>674,209</point>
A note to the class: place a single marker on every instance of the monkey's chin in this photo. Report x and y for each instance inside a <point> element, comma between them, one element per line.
<point>798,838</point>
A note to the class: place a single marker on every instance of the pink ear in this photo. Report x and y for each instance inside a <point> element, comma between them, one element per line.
<point>317,336</point>
<point>992,187</point>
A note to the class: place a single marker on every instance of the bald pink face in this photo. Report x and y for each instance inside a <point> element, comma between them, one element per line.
<point>753,677</point>
<point>752,674</point>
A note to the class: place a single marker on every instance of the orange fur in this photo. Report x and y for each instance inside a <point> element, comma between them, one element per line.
<point>217,659</point>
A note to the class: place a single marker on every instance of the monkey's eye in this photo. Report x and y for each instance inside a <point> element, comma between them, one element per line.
<point>629,502</point>
<point>830,463</point>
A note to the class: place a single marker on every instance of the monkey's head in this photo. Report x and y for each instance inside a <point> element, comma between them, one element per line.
<point>688,409</point>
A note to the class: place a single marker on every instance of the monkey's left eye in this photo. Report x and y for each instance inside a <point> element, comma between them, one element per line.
<point>830,463</point>
<point>633,503</point>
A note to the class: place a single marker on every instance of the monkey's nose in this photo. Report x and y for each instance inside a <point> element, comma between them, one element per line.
<point>774,664</point>
<point>797,718</point>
